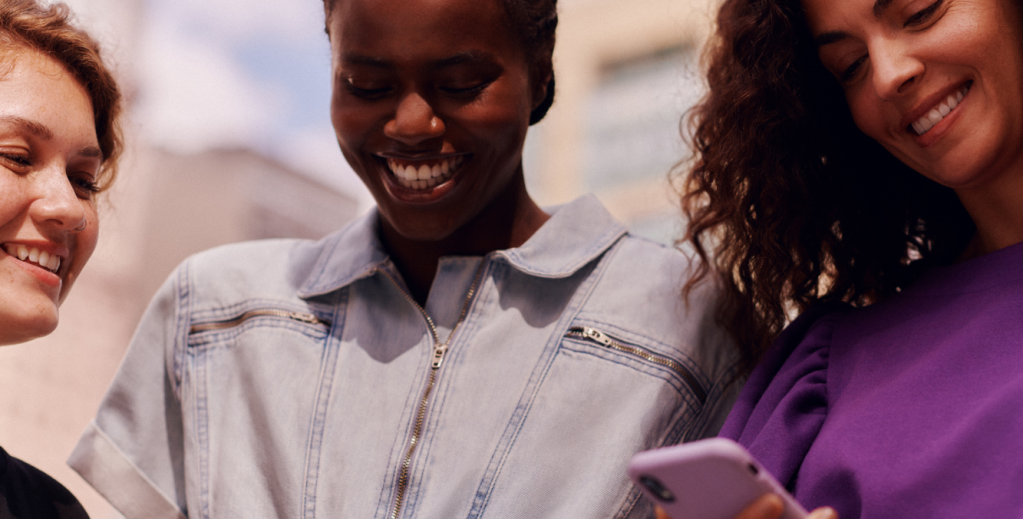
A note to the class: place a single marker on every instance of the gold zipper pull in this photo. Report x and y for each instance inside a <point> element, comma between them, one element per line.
<point>597,335</point>
<point>438,355</point>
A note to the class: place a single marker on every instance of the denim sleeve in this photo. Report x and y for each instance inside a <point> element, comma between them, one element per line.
<point>132,452</point>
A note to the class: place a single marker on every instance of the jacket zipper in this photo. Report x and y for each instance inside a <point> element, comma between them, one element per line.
<point>230,323</point>
<point>595,335</point>
<point>439,349</point>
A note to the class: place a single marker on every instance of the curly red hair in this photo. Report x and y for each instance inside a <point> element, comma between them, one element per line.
<point>786,199</point>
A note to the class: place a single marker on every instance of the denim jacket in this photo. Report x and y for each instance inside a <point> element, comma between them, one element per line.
<point>292,378</point>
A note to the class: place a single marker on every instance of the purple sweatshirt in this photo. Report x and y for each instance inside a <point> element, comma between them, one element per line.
<point>912,407</point>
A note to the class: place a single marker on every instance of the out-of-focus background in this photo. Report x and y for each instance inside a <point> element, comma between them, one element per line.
<point>229,139</point>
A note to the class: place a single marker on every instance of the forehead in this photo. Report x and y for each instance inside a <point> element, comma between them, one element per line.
<point>410,27</point>
<point>35,87</point>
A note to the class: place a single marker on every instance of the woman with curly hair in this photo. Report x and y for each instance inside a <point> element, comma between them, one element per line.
<point>59,144</point>
<point>861,162</point>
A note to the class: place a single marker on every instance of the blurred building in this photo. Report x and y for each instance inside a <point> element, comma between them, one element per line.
<point>626,72</point>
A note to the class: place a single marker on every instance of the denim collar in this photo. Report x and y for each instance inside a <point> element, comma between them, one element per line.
<point>575,234</point>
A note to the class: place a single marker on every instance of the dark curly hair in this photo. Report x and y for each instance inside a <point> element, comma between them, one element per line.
<point>786,199</point>
<point>535,21</point>
<point>26,24</point>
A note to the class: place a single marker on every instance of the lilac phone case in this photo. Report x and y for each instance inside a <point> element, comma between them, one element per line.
<point>707,479</point>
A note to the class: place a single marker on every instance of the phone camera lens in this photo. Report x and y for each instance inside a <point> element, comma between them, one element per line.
<point>753,469</point>
<point>657,488</point>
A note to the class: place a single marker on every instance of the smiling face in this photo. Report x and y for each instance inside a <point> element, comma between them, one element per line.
<point>431,105</point>
<point>936,82</point>
<point>49,158</point>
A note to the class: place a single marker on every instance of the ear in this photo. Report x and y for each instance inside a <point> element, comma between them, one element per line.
<point>541,82</point>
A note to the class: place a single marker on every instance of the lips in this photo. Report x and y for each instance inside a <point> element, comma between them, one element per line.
<point>34,256</point>
<point>939,112</point>
<point>424,174</point>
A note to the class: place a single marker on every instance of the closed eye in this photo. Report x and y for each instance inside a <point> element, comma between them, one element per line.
<point>18,160</point>
<point>84,186</point>
<point>465,92</point>
<point>850,72</point>
<point>367,93</point>
<point>923,15</point>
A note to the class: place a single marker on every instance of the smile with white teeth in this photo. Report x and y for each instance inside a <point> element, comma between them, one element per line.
<point>419,175</point>
<point>925,123</point>
<point>33,255</point>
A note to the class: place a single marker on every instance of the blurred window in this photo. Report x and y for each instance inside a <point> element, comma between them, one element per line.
<point>633,117</point>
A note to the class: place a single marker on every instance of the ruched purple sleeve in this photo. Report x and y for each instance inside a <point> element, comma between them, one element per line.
<point>784,403</point>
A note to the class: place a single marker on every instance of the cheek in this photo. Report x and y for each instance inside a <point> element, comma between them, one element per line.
<point>83,247</point>
<point>352,125</point>
<point>867,114</point>
<point>503,120</point>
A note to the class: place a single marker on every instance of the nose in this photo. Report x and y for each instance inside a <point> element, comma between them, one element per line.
<point>894,68</point>
<point>56,205</point>
<point>414,121</point>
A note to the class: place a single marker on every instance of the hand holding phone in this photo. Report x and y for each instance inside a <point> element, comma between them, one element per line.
<point>707,479</point>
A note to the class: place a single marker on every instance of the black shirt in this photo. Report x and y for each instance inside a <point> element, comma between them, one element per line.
<point>28,493</point>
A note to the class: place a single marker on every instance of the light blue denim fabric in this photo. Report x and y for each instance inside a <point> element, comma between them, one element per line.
<point>270,416</point>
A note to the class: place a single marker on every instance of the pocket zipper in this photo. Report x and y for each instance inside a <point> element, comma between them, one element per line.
<point>599,337</point>
<point>264,312</point>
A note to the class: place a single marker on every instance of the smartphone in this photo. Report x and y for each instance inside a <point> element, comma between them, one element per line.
<point>707,479</point>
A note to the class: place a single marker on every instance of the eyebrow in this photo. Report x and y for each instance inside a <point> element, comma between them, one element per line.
<point>470,56</point>
<point>359,59</point>
<point>28,126</point>
<point>44,133</point>
<point>90,152</point>
<point>880,6</point>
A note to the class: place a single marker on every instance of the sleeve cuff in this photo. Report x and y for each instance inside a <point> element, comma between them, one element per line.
<point>117,479</point>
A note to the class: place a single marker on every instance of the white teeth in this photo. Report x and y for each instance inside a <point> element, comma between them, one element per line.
<point>933,117</point>
<point>426,175</point>
<point>44,259</point>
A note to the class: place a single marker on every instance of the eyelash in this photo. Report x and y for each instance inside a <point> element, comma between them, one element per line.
<point>89,186</point>
<point>376,93</point>
<point>472,91</point>
<point>366,93</point>
<point>923,15</point>
<point>21,160</point>
<point>917,18</point>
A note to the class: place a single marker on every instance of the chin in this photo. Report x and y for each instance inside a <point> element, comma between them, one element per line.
<point>19,329</point>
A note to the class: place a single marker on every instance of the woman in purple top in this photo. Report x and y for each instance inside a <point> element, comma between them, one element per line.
<point>861,162</point>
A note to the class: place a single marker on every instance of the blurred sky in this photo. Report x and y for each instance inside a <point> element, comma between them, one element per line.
<point>227,73</point>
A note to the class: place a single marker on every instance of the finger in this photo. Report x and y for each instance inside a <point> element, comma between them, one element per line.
<point>767,506</point>
<point>823,513</point>
<point>660,513</point>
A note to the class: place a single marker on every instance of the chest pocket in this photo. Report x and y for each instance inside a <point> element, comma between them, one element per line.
<point>250,385</point>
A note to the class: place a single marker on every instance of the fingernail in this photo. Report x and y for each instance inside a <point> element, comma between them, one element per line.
<point>824,513</point>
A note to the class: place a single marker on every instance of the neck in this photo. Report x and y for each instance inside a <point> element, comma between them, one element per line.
<point>506,223</point>
<point>997,210</point>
